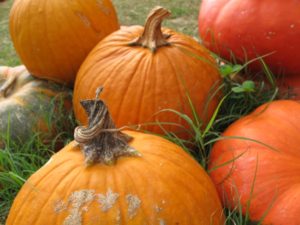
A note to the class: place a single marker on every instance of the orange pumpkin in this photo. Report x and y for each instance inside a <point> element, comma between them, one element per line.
<point>146,70</point>
<point>53,37</point>
<point>30,106</point>
<point>248,29</point>
<point>257,164</point>
<point>146,181</point>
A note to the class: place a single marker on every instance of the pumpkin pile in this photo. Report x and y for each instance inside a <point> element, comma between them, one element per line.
<point>151,79</point>
<point>95,179</point>
<point>255,164</point>
<point>107,176</point>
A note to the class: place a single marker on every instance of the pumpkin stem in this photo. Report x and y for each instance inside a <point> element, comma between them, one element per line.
<point>152,36</point>
<point>7,85</point>
<point>101,141</point>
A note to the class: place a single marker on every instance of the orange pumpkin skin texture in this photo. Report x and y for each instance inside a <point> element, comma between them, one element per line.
<point>158,183</point>
<point>251,28</point>
<point>171,188</point>
<point>140,81</point>
<point>272,172</point>
<point>53,37</point>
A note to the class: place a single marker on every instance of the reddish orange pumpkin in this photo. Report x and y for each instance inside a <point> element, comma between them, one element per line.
<point>250,28</point>
<point>146,70</point>
<point>130,180</point>
<point>53,37</point>
<point>263,168</point>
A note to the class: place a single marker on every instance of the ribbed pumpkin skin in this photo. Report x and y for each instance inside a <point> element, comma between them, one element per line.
<point>251,28</point>
<point>274,173</point>
<point>53,37</point>
<point>163,186</point>
<point>139,83</point>
<point>30,106</point>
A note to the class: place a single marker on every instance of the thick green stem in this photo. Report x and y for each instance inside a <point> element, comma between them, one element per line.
<point>152,36</point>
<point>101,141</point>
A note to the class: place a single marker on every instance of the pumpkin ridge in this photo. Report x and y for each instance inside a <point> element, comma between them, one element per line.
<point>73,178</point>
<point>179,166</point>
<point>152,118</point>
<point>116,181</point>
<point>181,198</point>
<point>50,197</point>
<point>33,188</point>
<point>145,71</point>
<point>50,54</point>
<point>132,76</point>
<point>179,153</point>
<point>136,192</point>
<point>180,85</point>
<point>115,66</point>
<point>139,174</point>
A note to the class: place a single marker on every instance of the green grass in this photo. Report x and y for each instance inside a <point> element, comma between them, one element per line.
<point>17,163</point>
<point>184,17</point>
<point>8,55</point>
<point>19,160</point>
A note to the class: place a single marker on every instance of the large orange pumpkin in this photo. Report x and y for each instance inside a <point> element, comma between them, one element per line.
<point>257,164</point>
<point>148,69</point>
<point>146,181</point>
<point>53,37</point>
<point>246,29</point>
<point>30,106</point>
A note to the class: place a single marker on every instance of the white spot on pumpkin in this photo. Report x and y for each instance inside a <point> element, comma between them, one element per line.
<point>107,200</point>
<point>134,204</point>
<point>158,208</point>
<point>84,19</point>
<point>270,34</point>
<point>60,206</point>
<point>243,12</point>
<point>292,26</point>
<point>118,218</point>
<point>85,209</point>
<point>161,222</point>
<point>79,201</point>
<point>103,7</point>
